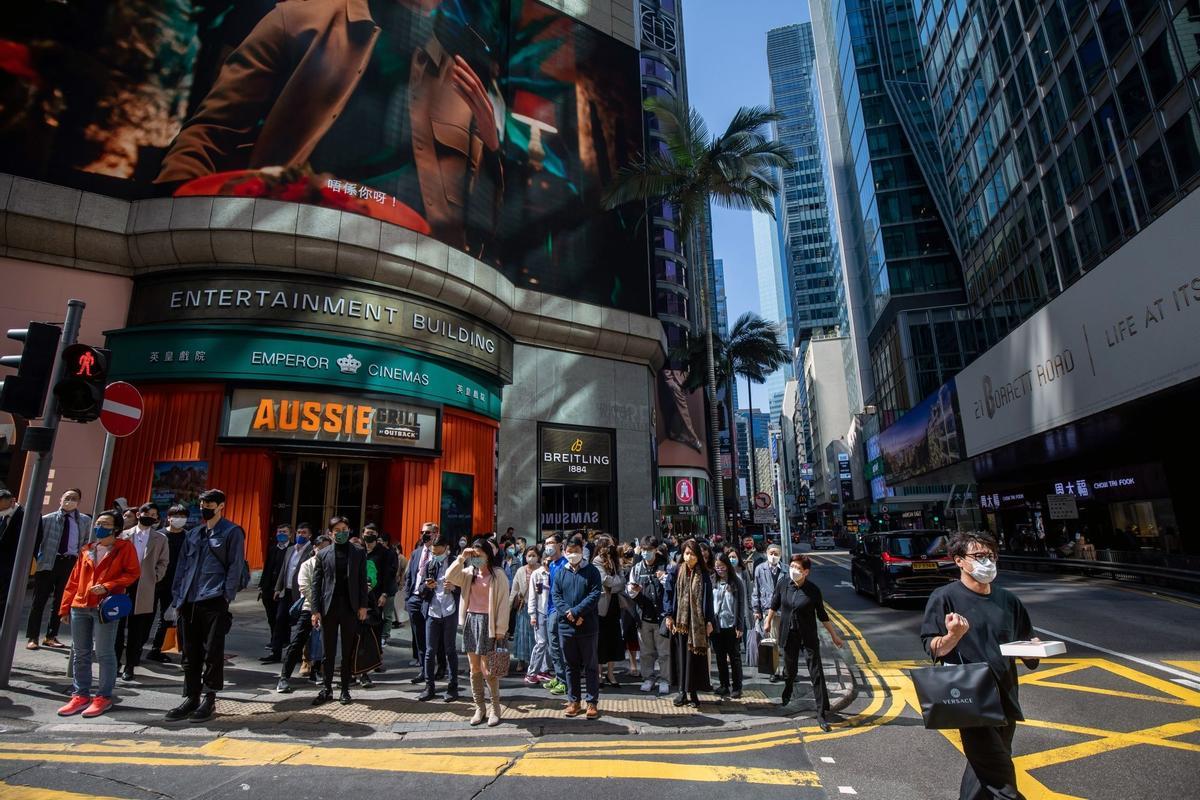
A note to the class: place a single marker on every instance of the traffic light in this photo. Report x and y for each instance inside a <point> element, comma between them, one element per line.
<point>80,391</point>
<point>24,394</point>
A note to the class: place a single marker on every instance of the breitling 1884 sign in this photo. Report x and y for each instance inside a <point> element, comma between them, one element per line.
<point>576,456</point>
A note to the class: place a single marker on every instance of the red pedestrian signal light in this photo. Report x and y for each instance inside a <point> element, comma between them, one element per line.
<point>80,392</point>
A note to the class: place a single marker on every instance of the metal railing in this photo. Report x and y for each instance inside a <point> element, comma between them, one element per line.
<point>1148,568</point>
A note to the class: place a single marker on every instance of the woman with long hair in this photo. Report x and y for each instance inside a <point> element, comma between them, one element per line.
<point>483,617</point>
<point>611,645</point>
<point>518,597</point>
<point>630,626</point>
<point>729,605</point>
<point>688,607</point>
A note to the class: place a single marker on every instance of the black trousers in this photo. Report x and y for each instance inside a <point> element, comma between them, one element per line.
<point>162,601</point>
<point>727,648</point>
<point>271,606</point>
<point>441,646</point>
<point>816,670</point>
<point>48,585</point>
<point>202,628</point>
<point>341,618</point>
<point>281,630</point>
<point>417,618</point>
<point>132,633</point>
<point>298,646</point>
<point>990,774</point>
<point>581,655</point>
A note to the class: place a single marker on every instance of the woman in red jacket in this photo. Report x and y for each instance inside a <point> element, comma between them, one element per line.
<point>107,565</point>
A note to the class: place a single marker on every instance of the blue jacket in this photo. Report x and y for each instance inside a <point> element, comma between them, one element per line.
<point>551,570</point>
<point>211,562</point>
<point>577,592</point>
<point>671,599</point>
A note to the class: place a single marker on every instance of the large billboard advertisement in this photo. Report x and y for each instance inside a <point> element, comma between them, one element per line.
<point>925,439</point>
<point>1126,329</point>
<point>492,125</point>
<point>681,428</point>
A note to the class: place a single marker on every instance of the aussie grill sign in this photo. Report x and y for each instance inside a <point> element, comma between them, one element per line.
<point>279,415</point>
<point>572,455</point>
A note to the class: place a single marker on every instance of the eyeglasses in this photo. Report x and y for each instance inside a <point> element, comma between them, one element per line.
<point>978,556</point>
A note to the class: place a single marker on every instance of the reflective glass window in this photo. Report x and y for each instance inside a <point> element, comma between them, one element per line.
<point>1134,99</point>
<point>1113,29</point>
<point>1163,68</point>
<point>1184,146</point>
<point>1187,33</point>
<point>1155,174</point>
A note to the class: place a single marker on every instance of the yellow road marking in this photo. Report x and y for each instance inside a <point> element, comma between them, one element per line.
<point>850,627</point>
<point>586,744</point>
<point>1157,741</point>
<point>10,791</point>
<point>1044,674</point>
<point>1116,741</point>
<point>1116,693</point>
<point>658,770</point>
<point>1190,666</point>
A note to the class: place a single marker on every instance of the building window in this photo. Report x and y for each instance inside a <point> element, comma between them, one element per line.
<point>1156,175</point>
<point>659,31</point>
<point>1163,69</point>
<point>1184,146</point>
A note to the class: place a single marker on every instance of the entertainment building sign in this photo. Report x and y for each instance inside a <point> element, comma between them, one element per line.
<point>1128,328</point>
<point>358,312</point>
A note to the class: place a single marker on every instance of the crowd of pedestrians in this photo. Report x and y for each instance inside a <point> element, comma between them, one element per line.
<point>567,614</point>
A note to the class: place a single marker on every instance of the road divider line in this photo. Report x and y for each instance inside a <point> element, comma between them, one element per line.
<point>11,791</point>
<point>656,770</point>
<point>1171,701</point>
<point>1144,662</point>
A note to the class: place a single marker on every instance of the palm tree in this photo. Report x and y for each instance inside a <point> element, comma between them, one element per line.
<point>753,351</point>
<point>735,170</point>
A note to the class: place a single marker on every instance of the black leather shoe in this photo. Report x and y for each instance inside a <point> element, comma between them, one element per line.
<point>775,679</point>
<point>417,680</point>
<point>452,696</point>
<point>680,699</point>
<point>345,698</point>
<point>440,674</point>
<point>787,698</point>
<point>365,681</point>
<point>427,695</point>
<point>323,696</point>
<point>723,691</point>
<point>271,658</point>
<point>156,655</point>
<point>127,674</point>
<point>824,724</point>
<point>736,694</point>
<point>205,711</point>
<point>184,709</point>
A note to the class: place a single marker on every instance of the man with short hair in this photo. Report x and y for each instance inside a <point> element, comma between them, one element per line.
<point>413,603</point>
<point>383,562</point>
<point>211,563</point>
<point>441,618</point>
<point>302,583</point>
<point>11,517</point>
<point>751,553</point>
<point>966,622</point>
<point>647,588</point>
<point>153,554</point>
<point>286,589</point>
<point>61,535</point>
<point>554,561</point>
<point>175,532</point>
<point>273,563</point>
<point>576,591</point>
<point>340,603</point>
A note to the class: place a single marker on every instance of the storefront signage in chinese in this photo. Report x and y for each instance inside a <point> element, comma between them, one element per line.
<point>235,353</point>
<point>572,455</point>
<point>329,419</point>
<point>390,317</point>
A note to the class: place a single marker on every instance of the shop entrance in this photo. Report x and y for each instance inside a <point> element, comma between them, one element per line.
<point>315,489</point>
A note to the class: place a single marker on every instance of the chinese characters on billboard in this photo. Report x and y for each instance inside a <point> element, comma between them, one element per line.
<point>491,125</point>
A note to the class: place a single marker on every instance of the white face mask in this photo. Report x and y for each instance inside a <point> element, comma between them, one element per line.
<point>69,505</point>
<point>773,559</point>
<point>8,512</point>
<point>177,522</point>
<point>575,558</point>
<point>983,570</point>
<point>796,573</point>
<point>551,550</point>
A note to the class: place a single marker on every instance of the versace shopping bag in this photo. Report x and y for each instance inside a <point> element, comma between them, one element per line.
<point>958,696</point>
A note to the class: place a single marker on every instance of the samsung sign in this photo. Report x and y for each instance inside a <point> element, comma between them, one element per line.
<point>1126,329</point>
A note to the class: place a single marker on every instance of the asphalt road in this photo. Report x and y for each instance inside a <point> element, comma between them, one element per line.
<point>1117,717</point>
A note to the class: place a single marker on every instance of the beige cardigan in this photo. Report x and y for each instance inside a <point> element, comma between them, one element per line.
<point>460,575</point>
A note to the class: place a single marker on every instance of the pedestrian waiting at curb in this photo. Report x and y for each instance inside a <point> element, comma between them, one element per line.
<point>797,604</point>
<point>647,588</point>
<point>440,611</point>
<point>554,560</point>
<point>688,606</point>
<point>153,552</point>
<point>307,555</point>
<point>483,615</point>
<point>729,607</point>
<point>766,577</point>
<point>339,588</point>
<point>175,533</point>
<point>523,632</point>
<point>61,535</point>
<point>106,567</point>
<point>537,598</point>
<point>576,591</point>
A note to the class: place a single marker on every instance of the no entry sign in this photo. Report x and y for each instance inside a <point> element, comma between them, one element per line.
<point>122,410</point>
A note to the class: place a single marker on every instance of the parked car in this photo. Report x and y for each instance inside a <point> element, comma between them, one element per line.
<point>895,565</point>
<point>823,540</point>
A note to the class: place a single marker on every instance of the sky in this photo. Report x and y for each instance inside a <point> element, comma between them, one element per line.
<point>726,44</point>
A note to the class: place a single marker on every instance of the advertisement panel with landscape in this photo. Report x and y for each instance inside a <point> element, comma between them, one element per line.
<point>925,439</point>
<point>492,125</point>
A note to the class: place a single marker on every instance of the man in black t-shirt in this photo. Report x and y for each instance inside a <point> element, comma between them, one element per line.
<point>966,622</point>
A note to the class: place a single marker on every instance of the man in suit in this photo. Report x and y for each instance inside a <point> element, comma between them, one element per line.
<point>339,588</point>
<point>11,516</point>
<point>273,562</point>
<point>61,534</point>
<point>154,554</point>
<point>413,603</point>
<point>286,590</point>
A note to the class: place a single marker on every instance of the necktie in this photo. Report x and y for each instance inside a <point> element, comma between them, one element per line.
<point>424,561</point>
<point>66,534</point>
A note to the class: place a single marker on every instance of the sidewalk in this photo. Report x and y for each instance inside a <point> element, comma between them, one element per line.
<point>249,707</point>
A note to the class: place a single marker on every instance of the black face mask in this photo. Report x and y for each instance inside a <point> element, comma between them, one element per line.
<point>146,522</point>
<point>370,539</point>
<point>208,513</point>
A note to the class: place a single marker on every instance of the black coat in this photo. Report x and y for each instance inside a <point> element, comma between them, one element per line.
<point>386,567</point>
<point>324,579</point>
<point>272,564</point>
<point>281,580</point>
<point>10,534</point>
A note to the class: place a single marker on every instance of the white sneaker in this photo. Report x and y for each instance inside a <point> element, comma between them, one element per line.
<point>663,687</point>
<point>647,685</point>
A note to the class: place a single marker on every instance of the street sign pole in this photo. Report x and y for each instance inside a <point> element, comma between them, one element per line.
<point>40,440</point>
<point>105,468</point>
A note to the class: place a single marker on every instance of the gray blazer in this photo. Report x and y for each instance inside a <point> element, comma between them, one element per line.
<point>50,532</point>
<point>154,567</point>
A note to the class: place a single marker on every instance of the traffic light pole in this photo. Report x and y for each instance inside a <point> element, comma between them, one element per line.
<point>35,490</point>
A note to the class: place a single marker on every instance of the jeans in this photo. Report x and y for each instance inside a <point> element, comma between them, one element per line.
<point>581,656</point>
<point>440,644</point>
<point>555,647</point>
<point>539,659</point>
<point>655,647</point>
<point>87,631</point>
<point>48,586</point>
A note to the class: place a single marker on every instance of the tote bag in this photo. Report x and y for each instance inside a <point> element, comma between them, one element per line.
<point>959,696</point>
<point>367,654</point>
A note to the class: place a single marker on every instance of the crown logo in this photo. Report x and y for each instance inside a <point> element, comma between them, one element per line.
<point>349,364</point>
<point>577,446</point>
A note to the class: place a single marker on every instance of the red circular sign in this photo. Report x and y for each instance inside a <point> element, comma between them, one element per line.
<point>685,492</point>
<point>121,412</point>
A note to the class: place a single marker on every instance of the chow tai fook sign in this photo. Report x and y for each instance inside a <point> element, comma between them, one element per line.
<point>1128,328</point>
<point>575,455</point>
<point>293,416</point>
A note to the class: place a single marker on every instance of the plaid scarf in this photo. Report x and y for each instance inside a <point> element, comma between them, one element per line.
<point>689,586</point>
